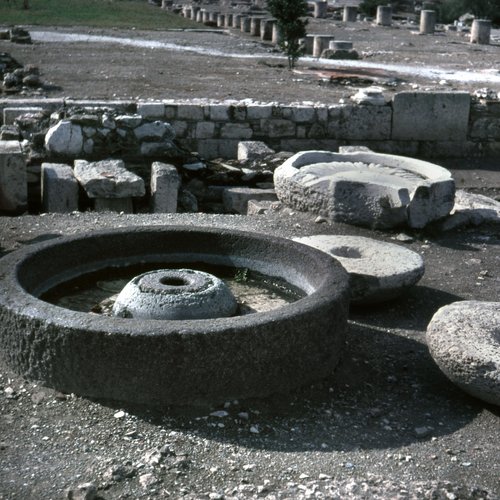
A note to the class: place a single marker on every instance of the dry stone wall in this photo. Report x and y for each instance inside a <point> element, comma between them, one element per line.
<point>436,124</point>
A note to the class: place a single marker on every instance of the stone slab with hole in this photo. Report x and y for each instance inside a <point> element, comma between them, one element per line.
<point>378,271</point>
<point>365,188</point>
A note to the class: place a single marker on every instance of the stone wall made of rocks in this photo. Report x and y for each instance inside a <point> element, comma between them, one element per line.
<point>425,124</point>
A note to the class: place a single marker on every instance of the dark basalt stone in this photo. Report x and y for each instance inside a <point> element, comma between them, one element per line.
<point>161,362</point>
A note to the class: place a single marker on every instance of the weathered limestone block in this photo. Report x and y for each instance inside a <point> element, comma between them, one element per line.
<point>165,184</point>
<point>378,271</point>
<point>253,150</point>
<point>154,130</point>
<point>11,113</point>
<point>464,340</point>
<point>365,188</point>
<point>108,179</point>
<point>259,111</point>
<point>371,123</point>
<point>236,199</point>
<point>64,139</point>
<point>190,112</point>
<point>13,178</point>
<point>384,15</point>
<point>59,188</point>
<point>236,131</point>
<point>278,128</point>
<point>219,112</point>
<point>151,110</point>
<point>436,116</point>
<point>204,130</point>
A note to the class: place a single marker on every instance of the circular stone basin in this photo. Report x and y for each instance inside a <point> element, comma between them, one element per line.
<point>464,340</point>
<point>171,361</point>
<point>378,270</point>
<point>175,294</point>
<point>366,188</point>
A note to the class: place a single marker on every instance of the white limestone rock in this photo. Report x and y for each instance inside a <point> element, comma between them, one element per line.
<point>108,179</point>
<point>366,188</point>
<point>464,340</point>
<point>378,271</point>
<point>13,177</point>
<point>65,139</point>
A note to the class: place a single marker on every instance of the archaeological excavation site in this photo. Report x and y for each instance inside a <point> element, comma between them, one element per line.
<point>249,249</point>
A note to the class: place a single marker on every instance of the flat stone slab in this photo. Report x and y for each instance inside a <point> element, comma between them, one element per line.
<point>108,179</point>
<point>366,188</point>
<point>378,271</point>
<point>464,340</point>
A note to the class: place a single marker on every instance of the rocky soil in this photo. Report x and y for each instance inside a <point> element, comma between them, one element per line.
<point>386,424</point>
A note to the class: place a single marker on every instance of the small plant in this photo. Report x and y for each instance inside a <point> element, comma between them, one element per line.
<point>242,275</point>
<point>291,26</point>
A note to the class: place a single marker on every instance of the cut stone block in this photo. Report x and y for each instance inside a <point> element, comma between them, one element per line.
<point>434,116</point>
<point>108,179</point>
<point>10,114</point>
<point>165,183</point>
<point>365,188</point>
<point>464,340</point>
<point>236,199</point>
<point>59,188</point>
<point>13,178</point>
<point>378,271</point>
<point>253,150</point>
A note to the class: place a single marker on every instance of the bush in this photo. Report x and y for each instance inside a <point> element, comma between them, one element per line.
<point>450,10</point>
<point>291,26</point>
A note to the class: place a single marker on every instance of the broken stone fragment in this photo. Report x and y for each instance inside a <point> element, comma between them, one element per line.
<point>64,138</point>
<point>108,179</point>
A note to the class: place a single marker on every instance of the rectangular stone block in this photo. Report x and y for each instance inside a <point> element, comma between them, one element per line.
<point>253,150</point>
<point>355,122</point>
<point>434,116</point>
<point>259,111</point>
<point>450,149</point>
<point>13,178</point>
<point>219,112</point>
<point>204,130</point>
<point>236,199</point>
<point>10,114</point>
<point>278,128</point>
<point>151,110</point>
<point>208,148</point>
<point>59,188</point>
<point>236,131</point>
<point>165,183</point>
<point>190,112</point>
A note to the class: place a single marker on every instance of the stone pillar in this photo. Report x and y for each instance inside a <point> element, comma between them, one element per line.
<point>221,20</point>
<point>245,25</point>
<point>165,183</point>
<point>255,26</point>
<point>320,9</point>
<point>276,37</point>
<point>13,177</point>
<point>59,188</point>
<point>321,43</point>
<point>266,29</point>
<point>229,21</point>
<point>237,21</point>
<point>350,14</point>
<point>199,15</point>
<point>384,15</point>
<point>340,45</point>
<point>427,22</point>
<point>194,12</point>
<point>480,31</point>
<point>308,42</point>
<point>212,17</point>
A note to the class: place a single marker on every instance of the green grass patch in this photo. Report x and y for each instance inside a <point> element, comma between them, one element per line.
<point>93,13</point>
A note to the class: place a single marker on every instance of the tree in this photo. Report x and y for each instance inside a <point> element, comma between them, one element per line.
<point>291,26</point>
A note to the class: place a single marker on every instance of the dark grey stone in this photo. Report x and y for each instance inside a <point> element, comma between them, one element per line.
<point>172,362</point>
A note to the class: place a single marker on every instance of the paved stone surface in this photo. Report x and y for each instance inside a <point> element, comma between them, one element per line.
<point>364,188</point>
<point>378,270</point>
<point>464,340</point>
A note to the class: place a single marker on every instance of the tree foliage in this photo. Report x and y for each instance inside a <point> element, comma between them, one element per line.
<point>450,10</point>
<point>291,26</point>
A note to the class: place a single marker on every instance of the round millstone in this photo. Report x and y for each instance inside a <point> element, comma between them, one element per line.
<point>464,340</point>
<point>175,294</point>
<point>378,270</point>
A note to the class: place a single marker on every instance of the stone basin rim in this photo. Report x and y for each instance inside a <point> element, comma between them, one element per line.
<point>36,307</point>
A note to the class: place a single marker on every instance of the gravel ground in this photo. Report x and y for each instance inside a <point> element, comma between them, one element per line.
<point>386,424</point>
<point>100,69</point>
